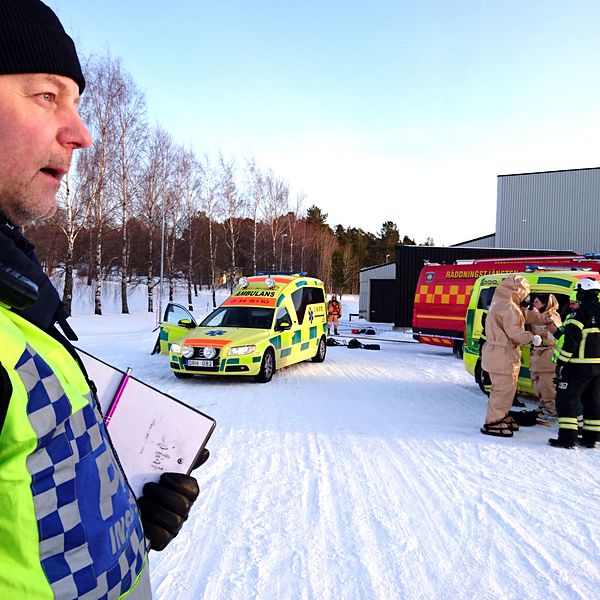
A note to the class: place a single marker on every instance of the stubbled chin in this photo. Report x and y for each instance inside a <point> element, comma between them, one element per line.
<point>31,214</point>
<point>29,202</point>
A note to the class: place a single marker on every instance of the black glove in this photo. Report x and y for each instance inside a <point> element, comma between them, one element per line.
<point>165,506</point>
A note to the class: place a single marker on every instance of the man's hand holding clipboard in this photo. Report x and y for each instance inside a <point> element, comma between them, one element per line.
<point>165,505</point>
<point>159,441</point>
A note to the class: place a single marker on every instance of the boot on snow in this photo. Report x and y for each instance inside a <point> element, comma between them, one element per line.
<point>567,438</point>
<point>588,439</point>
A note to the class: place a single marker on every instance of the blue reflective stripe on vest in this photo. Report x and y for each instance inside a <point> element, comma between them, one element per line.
<point>91,539</point>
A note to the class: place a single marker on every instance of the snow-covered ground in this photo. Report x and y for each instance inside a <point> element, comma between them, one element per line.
<point>364,477</point>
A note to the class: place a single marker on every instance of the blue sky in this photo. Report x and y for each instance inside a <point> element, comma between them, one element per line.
<point>384,110</point>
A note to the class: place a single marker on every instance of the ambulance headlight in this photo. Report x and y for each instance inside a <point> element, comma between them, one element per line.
<point>269,282</point>
<point>187,351</point>
<point>237,350</point>
<point>209,353</point>
<point>176,348</point>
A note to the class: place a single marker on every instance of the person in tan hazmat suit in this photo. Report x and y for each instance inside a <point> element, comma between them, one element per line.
<point>501,357</point>
<point>544,312</point>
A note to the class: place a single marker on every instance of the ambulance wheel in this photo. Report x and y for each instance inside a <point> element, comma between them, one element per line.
<point>267,367</point>
<point>321,350</point>
<point>181,375</point>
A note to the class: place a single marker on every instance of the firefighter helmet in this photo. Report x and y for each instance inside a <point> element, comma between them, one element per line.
<point>587,289</point>
<point>588,285</point>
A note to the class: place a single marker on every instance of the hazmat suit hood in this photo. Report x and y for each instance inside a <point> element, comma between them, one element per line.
<point>551,314</point>
<point>552,305</point>
<point>513,287</point>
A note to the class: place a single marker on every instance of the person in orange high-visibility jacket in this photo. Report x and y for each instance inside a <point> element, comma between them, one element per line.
<point>334,312</point>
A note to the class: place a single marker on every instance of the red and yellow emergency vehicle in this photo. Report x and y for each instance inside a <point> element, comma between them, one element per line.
<point>443,292</point>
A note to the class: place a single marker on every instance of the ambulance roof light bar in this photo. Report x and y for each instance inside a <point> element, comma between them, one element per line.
<point>531,268</point>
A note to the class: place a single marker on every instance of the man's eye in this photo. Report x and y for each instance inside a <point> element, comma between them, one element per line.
<point>48,96</point>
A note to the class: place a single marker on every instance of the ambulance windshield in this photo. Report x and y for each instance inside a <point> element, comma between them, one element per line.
<point>248,317</point>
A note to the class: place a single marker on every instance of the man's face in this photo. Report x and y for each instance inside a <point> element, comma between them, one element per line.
<point>573,305</point>
<point>39,129</point>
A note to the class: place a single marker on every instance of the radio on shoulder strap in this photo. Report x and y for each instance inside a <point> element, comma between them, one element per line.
<point>16,290</point>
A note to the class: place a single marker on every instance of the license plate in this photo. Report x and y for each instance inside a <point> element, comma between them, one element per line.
<point>199,363</point>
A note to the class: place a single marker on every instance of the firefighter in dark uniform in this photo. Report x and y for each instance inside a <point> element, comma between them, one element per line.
<point>578,371</point>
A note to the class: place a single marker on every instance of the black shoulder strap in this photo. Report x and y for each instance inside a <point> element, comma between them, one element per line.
<point>5,394</point>
<point>18,254</point>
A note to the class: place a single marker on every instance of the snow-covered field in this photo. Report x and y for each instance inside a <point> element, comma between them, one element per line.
<point>364,477</point>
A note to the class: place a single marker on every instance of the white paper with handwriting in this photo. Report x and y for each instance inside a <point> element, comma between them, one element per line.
<point>152,432</point>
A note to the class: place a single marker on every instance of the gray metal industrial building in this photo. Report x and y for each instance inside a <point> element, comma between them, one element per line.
<point>553,210</point>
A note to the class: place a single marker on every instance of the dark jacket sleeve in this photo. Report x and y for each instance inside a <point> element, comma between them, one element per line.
<point>572,340</point>
<point>5,394</point>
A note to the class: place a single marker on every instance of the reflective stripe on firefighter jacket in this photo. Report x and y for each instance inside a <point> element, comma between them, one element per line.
<point>69,524</point>
<point>559,336</point>
<point>581,343</point>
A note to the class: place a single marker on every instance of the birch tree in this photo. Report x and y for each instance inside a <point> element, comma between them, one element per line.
<point>190,184</point>
<point>293,217</point>
<point>208,194</point>
<point>232,206</point>
<point>150,203</point>
<point>255,202</point>
<point>105,86</point>
<point>131,130</point>
<point>274,207</point>
<point>176,217</point>
<point>75,200</point>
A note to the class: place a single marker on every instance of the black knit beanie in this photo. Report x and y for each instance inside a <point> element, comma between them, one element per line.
<point>32,40</point>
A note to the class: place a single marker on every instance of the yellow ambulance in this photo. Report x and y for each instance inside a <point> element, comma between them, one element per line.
<point>269,321</point>
<point>560,283</point>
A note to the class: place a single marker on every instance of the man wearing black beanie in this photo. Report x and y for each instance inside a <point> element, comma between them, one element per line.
<point>70,526</point>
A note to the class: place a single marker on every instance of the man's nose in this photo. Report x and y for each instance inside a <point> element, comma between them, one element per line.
<point>74,134</point>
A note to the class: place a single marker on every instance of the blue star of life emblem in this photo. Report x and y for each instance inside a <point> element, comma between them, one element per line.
<point>311,315</point>
<point>214,332</point>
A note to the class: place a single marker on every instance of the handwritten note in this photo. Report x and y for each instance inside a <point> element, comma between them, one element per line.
<point>152,432</point>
